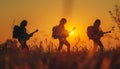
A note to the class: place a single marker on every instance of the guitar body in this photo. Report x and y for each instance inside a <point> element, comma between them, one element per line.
<point>58,32</point>
<point>65,34</point>
<point>27,37</point>
<point>93,34</point>
<point>101,33</point>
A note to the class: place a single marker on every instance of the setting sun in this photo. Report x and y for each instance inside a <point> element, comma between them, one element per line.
<point>71,32</point>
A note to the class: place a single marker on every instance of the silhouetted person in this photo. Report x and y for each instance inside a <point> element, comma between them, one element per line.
<point>61,33</point>
<point>23,37</point>
<point>21,34</point>
<point>95,33</point>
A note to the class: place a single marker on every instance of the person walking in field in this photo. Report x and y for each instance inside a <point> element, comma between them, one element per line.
<point>95,33</point>
<point>21,34</point>
<point>60,33</point>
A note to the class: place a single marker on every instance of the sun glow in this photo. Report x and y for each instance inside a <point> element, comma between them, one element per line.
<point>71,32</point>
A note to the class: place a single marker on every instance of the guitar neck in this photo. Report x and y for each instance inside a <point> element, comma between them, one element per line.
<point>72,30</point>
<point>34,32</point>
<point>106,32</point>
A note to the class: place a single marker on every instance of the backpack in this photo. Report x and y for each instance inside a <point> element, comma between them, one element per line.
<point>16,31</point>
<point>90,33</point>
<point>55,32</point>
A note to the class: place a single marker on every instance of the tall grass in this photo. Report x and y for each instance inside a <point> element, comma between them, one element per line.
<point>13,57</point>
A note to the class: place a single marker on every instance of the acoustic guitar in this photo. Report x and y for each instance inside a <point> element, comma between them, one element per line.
<point>27,37</point>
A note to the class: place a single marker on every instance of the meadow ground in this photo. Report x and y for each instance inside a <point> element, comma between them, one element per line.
<point>12,57</point>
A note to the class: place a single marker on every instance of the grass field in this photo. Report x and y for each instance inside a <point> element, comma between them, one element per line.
<point>13,57</point>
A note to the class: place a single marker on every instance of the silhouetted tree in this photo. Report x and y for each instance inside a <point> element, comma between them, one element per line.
<point>116,15</point>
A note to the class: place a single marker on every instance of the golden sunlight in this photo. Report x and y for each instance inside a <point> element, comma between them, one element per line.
<point>71,32</point>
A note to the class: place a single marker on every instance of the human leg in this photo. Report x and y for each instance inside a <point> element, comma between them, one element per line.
<point>100,45</point>
<point>60,46</point>
<point>68,45</point>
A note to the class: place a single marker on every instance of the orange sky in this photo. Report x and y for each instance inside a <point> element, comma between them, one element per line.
<point>44,14</point>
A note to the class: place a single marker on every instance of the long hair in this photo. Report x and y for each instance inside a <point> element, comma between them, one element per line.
<point>97,22</point>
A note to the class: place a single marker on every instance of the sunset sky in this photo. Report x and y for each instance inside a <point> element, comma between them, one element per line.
<point>44,14</point>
